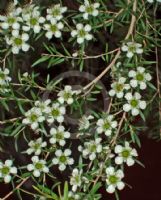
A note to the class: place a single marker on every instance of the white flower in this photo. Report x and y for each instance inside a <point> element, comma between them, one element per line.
<point>18,42</point>
<point>53,28</point>
<point>6,169</point>
<point>12,20</point>
<point>119,87</point>
<point>132,48</point>
<point>82,33</point>
<point>57,113</point>
<point>38,166</point>
<point>33,20</point>
<point>63,159</point>
<point>55,12</point>
<point>36,146</point>
<point>106,125</point>
<point>114,179</point>
<point>73,196</point>
<point>59,135</point>
<point>76,179</point>
<point>125,154</point>
<point>4,80</point>
<point>84,122</point>
<point>151,1</point>
<point>66,95</point>
<point>33,117</point>
<point>140,77</point>
<point>134,103</point>
<point>89,9</point>
<point>91,148</point>
<point>43,106</point>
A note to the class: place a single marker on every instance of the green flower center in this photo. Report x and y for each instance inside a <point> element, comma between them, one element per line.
<point>59,136</point>
<point>63,159</point>
<point>139,77</point>
<point>67,95</point>
<point>39,165</point>
<point>5,170</point>
<point>125,154</point>
<point>89,9</point>
<point>2,76</point>
<point>132,48</point>
<point>119,87</point>
<point>113,179</point>
<point>11,20</point>
<point>82,33</point>
<point>18,41</point>
<point>134,103</point>
<point>55,112</point>
<point>56,12</point>
<point>53,28</point>
<point>36,146</point>
<point>93,148</point>
<point>33,117</point>
<point>33,21</point>
<point>106,125</point>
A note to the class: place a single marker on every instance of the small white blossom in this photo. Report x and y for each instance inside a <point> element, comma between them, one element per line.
<point>125,154</point>
<point>114,179</point>
<point>4,80</point>
<point>134,103</point>
<point>33,118</point>
<point>44,106</point>
<point>12,20</point>
<point>82,33</point>
<point>140,77</point>
<point>38,166</point>
<point>84,122</point>
<point>58,135</point>
<point>36,146</point>
<point>73,196</point>
<point>106,125</point>
<point>6,170</point>
<point>18,42</point>
<point>55,12</point>
<point>57,113</point>
<point>66,95</point>
<point>33,20</point>
<point>53,28</point>
<point>119,87</point>
<point>91,148</point>
<point>89,9</point>
<point>63,159</point>
<point>132,48</point>
<point>76,179</point>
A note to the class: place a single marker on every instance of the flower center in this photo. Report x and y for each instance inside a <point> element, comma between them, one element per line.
<point>55,112</point>
<point>82,33</point>
<point>63,159</point>
<point>33,21</point>
<point>18,41</point>
<point>89,9</point>
<point>132,48</point>
<point>67,95</point>
<point>36,146</point>
<point>93,148</point>
<point>39,165</point>
<point>59,136</point>
<point>134,103</point>
<point>53,28</point>
<point>2,76</point>
<point>56,12</point>
<point>113,179</point>
<point>106,125</point>
<point>140,77</point>
<point>119,87</point>
<point>11,20</point>
<point>33,117</point>
<point>5,170</point>
<point>125,154</point>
